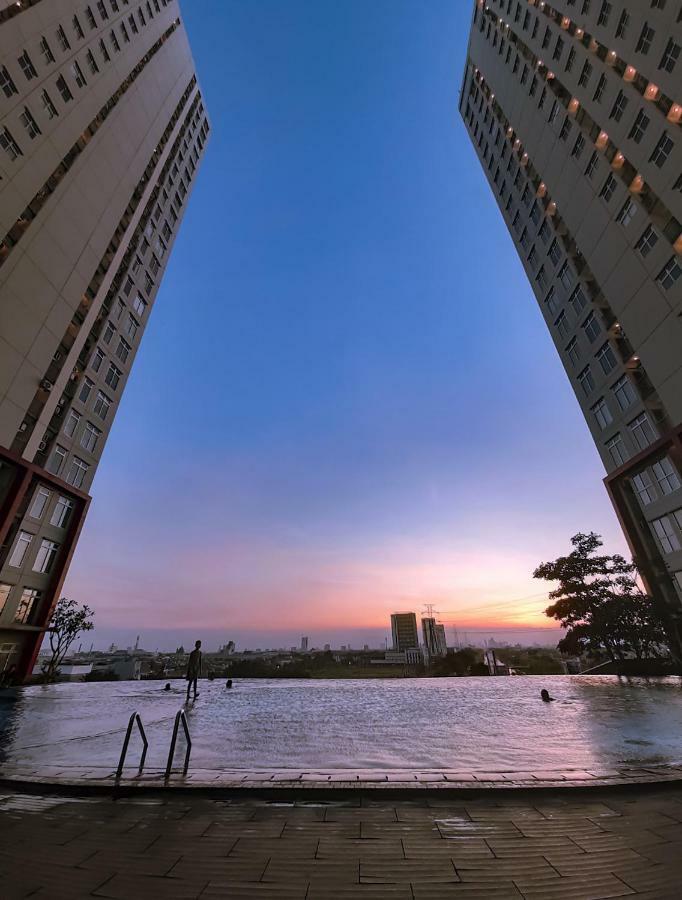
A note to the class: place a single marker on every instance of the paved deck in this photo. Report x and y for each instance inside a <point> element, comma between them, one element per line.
<point>332,781</point>
<point>558,846</point>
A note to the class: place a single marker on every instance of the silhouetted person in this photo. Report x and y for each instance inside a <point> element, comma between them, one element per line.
<point>167,688</point>
<point>229,683</point>
<point>545,696</point>
<point>194,669</point>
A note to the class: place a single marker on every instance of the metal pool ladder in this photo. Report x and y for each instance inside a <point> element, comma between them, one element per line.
<point>180,718</point>
<point>135,718</point>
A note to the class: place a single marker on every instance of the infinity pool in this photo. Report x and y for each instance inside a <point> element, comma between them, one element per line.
<point>466,724</point>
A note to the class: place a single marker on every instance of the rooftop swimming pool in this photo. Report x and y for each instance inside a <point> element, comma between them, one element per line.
<point>464,724</point>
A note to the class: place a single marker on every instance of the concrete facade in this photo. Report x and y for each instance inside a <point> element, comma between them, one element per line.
<point>102,129</point>
<point>574,110</point>
<point>404,631</point>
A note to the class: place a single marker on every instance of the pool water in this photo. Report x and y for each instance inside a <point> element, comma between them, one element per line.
<point>463,724</point>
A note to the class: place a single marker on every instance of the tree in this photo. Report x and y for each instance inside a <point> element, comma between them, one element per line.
<point>68,621</point>
<point>600,604</point>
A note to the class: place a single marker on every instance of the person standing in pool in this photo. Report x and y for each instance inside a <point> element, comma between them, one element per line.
<point>194,669</point>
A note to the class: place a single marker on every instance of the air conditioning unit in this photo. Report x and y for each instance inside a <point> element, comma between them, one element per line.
<point>42,446</point>
<point>23,426</point>
<point>46,385</point>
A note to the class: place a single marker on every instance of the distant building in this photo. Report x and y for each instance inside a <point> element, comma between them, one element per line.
<point>304,644</point>
<point>404,631</point>
<point>327,648</point>
<point>435,644</point>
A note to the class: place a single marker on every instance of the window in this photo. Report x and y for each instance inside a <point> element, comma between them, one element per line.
<point>71,423</point>
<point>139,305</point>
<point>27,66</point>
<point>623,22</point>
<point>662,151</point>
<point>148,283</point>
<point>131,327</point>
<point>601,87</point>
<point>128,286</point>
<point>555,251</point>
<point>62,39</point>
<point>92,63</point>
<point>558,48</point>
<point>123,349</point>
<point>619,107</point>
<point>56,460</point>
<point>28,606</point>
<point>541,279</point>
<point>77,472</point>
<point>45,557</point>
<point>6,83</point>
<point>40,500</point>
<point>62,512</point>
<point>592,165</point>
<point>670,56</point>
<point>604,13</point>
<point>616,449</point>
<point>85,390</point>
<point>109,332</point>
<point>554,112</point>
<point>666,476</point>
<point>562,326</point>
<point>586,380</point>
<point>114,41</point>
<point>625,392</point>
<point>644,488</point>
<point>48,106</point>
<point>533,258</point>
<point>97,359</point>
<point>90,437</point>
<point>669,273</point>
<point>645,39</point>
<point>606,358</point>
<point>627,213</point>
<point>78,76</point>
<point>591,328</point>
<point>64,89</point>
<point>573,352</point>
<point>102,405</point>
<point>90,18</point>
<point>77,27</point>
<point>113,377</point>
<point>9,145</point>
<point>578,300</point>
<point>545,232</point>
<point>5,590</point>
<point>103,50</point>
<point>643,431</point>
<point>602,414</point>
<point>639,128</point>
<point>664,531</point>
<point>570,61</point>
<point>29,123</point>
<point>551,301</point>
<point>609,188</point>
<point>647,241</point>
<point>585,75</point>
<point>20,549</point>
<point>578,147</point>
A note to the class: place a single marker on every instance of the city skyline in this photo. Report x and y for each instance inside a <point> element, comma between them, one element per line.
<point>352,437</point>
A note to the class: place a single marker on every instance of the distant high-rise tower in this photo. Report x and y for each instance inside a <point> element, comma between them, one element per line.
<point>574,110</point>
<point>102,128</point>
<point>434,637</point>
<point>404,630</point>
<point>304,644</point>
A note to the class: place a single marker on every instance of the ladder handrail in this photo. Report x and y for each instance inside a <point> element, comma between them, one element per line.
<point>180,718</point>
<point>135,718</point>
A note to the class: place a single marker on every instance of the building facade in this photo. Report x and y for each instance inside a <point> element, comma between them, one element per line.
<point>433,632</point>
<point>574,109</point>
<point>404,631</point>
<point>102,128</point>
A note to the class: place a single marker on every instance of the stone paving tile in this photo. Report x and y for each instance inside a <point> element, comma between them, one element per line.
<point>350,848</point>
<point>248,891</point>
<point>505,890</point>
<point>350,892</point>
<point>408,872</point>
<point>311,870</point>
<point>596,887</point>
<point>134,887</point>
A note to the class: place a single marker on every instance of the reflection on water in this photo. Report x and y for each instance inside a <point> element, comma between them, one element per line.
<point>483,724</point>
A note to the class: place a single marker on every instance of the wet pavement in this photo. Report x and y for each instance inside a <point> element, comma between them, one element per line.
<point>577,845</point>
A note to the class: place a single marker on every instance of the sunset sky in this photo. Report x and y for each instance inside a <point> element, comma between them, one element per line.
<point>346,402</point>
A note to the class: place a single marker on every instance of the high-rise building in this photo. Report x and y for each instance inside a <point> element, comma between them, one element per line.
<point>304,644</point>
<point>433,633</point>
<point>574,110</point>
<point>102,128</point>
<point>404,631</point>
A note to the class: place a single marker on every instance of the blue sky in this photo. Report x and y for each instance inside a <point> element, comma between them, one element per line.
<point>346,401</point>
